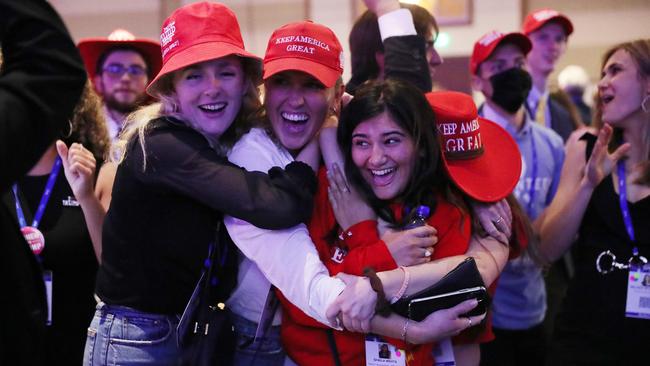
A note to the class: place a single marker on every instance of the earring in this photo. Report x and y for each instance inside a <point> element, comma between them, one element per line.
<point>644,102</point>
<point>175,108</point>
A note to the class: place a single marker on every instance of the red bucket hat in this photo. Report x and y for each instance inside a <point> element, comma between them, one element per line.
<point>305,46</point>
<point>196,33</point>
<point>538,18</point>
<point>481,158</point>
<point>484,47</point>
<point>91,49</point>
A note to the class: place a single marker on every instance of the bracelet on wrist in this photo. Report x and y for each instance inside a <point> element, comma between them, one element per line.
<point>382,307</point>
<point>405,285</point>
<point>405,330</point>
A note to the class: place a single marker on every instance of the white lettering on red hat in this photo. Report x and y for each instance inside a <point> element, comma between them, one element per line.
<point>302,39</point>
<point>167,33</point>
<point>341,59</point>
<point>489,38</point>
<point>542,15</point>
<point>299,48</point>
<point>454,139</point>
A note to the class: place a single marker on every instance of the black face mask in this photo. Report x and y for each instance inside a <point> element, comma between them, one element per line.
<point>510,88</point>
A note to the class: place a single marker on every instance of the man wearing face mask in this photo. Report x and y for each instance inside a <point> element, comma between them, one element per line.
<point>498,71</point>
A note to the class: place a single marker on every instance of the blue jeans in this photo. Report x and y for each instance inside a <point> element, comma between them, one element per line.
<point>265,351</point>
<point>125,336</point>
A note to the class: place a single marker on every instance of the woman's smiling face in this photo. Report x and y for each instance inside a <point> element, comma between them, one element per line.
<point>209,94</point>
<point>385,155</point>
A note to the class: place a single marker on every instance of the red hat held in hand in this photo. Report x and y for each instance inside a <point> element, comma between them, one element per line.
<point>539,18</point>
<point>480,156</point>
<point>305,46</point>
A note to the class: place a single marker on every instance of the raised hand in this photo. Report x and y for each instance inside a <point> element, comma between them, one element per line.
<point>355,306</point>
<point>79,167</point>
<point>381,7</point>
<point>495,218</point>
<point>412,246</point>
<point>349,208</point>
<point>601,162</point>
<point>442,324</point>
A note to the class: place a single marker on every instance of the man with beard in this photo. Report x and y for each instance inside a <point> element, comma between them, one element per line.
<point>498,68</point>
<point>548,31</point>
<point>120,67</point>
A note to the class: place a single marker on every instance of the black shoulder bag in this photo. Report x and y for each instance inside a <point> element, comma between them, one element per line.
<point>205,333</point>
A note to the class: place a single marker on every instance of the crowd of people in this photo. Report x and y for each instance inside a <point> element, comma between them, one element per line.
<point>143,180</point>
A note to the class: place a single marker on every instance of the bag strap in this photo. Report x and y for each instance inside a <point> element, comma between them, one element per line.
<point>332,343</point>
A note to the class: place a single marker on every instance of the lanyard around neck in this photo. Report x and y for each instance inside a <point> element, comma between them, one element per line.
<point>44,198</point>
<point>622,199</point>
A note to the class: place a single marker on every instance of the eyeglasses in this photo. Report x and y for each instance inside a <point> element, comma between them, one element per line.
<point>116,71</point>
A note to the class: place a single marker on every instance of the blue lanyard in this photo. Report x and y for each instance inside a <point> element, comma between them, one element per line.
<point>622,198</point>
<point>44,198</point>
<point>531,191</point>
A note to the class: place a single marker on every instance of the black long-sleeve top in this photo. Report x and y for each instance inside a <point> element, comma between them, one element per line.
<point>162,218</point>
<point>405,59</point>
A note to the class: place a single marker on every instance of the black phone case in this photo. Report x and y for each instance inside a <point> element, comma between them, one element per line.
<point>464,276</point>
<point>419,310</point>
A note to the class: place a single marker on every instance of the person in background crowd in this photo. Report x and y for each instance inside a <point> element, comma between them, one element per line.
<point>63,216</point>
<point>498,70</point>
<point>548,31</point>
<point>604,199</point>
<point>173,184</point>
<point>574,81</point>
<point>120,67</point>
<point>367,46</point>
<point>41,79</point>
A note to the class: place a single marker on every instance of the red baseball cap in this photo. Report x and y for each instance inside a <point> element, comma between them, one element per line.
<point>481,158</point>
<point>305,46</point>
<point>538,18</point>
<point>91,49</point>
<point>484,47</point>
<point>196,33</point>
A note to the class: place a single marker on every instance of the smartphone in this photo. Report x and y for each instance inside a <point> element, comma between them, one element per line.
<point>420,308</point>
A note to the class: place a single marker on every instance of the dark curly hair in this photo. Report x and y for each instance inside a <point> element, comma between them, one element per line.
<point>88,126</point>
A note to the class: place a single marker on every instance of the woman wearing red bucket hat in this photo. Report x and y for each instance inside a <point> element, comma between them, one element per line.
<point>172,186</point>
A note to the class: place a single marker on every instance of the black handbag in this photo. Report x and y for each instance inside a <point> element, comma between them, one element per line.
<point>462,283</point>
<point>205,333</point>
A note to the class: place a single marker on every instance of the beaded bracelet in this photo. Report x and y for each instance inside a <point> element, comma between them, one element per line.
<point>382,307</point>
<point>405,285</point>
<point>405,329</point>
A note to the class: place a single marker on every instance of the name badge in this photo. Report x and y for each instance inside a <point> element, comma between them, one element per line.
<point>380,353</point>
<point>443,353</point>
<point>638,292</point>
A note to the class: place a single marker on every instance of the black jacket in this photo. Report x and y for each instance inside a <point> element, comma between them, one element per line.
<point>41,81</point>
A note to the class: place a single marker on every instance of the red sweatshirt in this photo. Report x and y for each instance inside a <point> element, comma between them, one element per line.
<point>304,339</point>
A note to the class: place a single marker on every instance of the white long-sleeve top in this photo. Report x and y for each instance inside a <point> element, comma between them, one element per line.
<point>286,258</point>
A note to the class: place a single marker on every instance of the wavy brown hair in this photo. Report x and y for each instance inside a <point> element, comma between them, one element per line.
<point>88,125</point>
<point>639,51</point>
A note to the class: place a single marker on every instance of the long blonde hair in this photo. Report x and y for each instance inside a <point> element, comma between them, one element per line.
<point>138,122</point>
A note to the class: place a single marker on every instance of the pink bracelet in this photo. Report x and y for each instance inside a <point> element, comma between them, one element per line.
<point>405,285</point>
